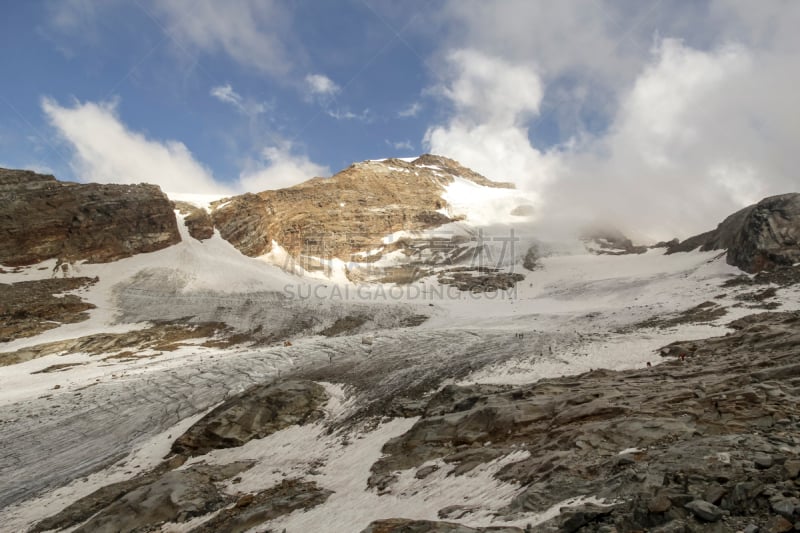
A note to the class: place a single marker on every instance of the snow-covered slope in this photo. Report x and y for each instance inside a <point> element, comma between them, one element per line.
<point>572,312</point>
<point>75,420</point>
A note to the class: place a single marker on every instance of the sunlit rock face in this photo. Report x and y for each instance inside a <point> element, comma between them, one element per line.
<point>348,213</point>
<point>43,218</point>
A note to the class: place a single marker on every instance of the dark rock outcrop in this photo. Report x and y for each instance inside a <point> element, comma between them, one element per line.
<point>176,496</point>
<point>254,509</point>
<point>609,241</point>
<point>402,525</point>
<point>253,414</point>
<point>759,237</point>
<point>531,260</point>
<point>479,279</point>
<point>139,503</point>
<point>700,314</point>
<point>42,218</point>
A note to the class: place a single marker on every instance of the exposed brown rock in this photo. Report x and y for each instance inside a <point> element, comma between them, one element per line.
<point>28,308</point>
<point>197,220</point>
<point>42,218</point>
<point>344,326</point>
<point>345,214</point>
<point>159,337</point>
<point>253,414</point>
<point>700,314</point>
<point>531,261</point>
<point>523,211</point>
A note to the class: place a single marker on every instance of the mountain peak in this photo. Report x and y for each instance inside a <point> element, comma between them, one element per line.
<point>348,213</point>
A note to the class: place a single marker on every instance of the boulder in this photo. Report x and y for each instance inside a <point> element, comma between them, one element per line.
<point>402,525</point>
<point>253,414</point>
<point>197,220</point>
<point>707,512</point>
<point>254,509</point>
<point>176,496</point>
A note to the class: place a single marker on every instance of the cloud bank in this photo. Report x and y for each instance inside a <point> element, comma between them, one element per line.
<point>693,128</point>
<point>105,150</point>
<point>492,100</point>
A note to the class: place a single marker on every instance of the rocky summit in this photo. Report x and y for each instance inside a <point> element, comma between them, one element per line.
<point>348,213</point>
<point>164,366</point>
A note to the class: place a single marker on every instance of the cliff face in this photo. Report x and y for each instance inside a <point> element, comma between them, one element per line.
<point>758,237</point>
<point>347,213</point>
<point>770,235</point>
<point>42,218</point>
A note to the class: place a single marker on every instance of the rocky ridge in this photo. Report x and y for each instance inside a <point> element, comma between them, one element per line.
<point>42,218</point>
<point>759,237</point>
<point>347,215</point>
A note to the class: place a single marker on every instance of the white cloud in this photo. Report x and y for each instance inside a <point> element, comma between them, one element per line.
<point>70,16</point>
<point>346,114</point>
<point>692,110</point>
<point>106,151</point>
<point>412,110</point>
<point>698,135</point>
<point>406,145</point>
<point>485,88</point>
<point>279,168</point>
<point>226,94</point>
<point>492,100</point>
<point>254,33</point>
<point>321,85</point>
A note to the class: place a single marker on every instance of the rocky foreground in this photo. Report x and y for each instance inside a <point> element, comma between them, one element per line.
<point>708,440</point>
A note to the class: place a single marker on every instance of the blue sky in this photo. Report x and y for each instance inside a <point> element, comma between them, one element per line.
<point>673,113</point>
<point>162,83</point>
